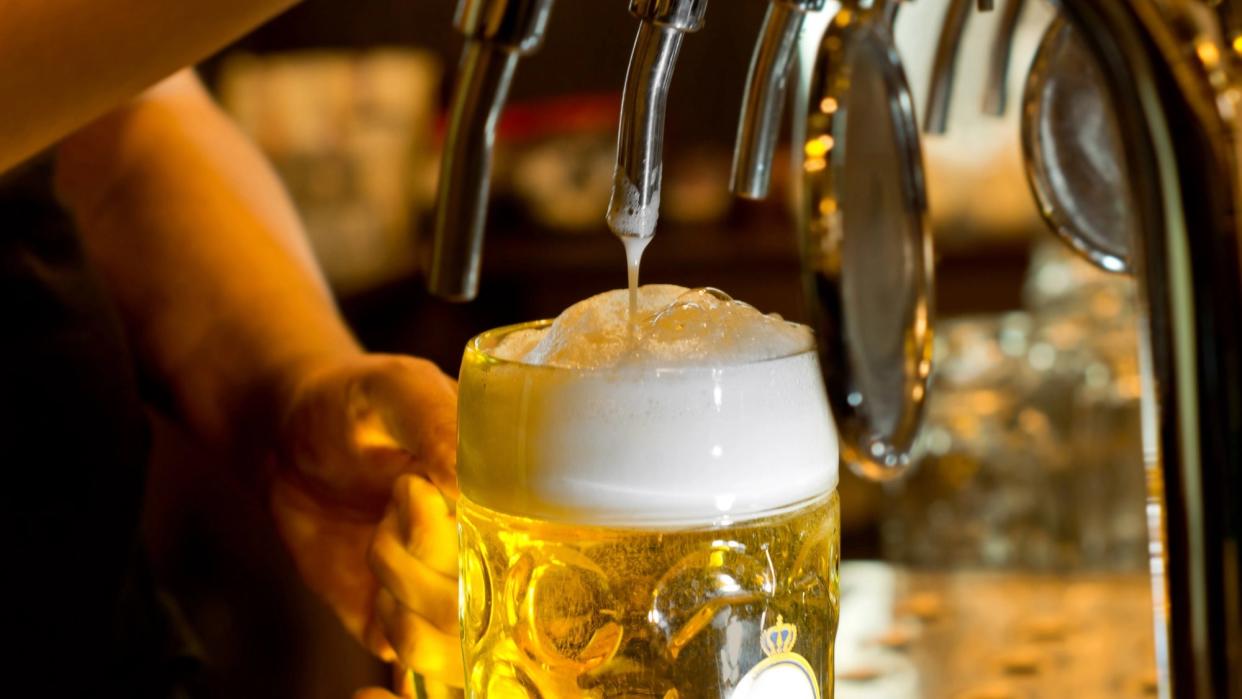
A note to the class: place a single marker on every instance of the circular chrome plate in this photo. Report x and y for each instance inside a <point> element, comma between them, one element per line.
<point>868,254</point>
<point>1075,162</point>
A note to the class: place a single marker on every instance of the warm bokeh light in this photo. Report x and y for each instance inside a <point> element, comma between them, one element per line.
<point>818,147</point>
<point>1208,53</point>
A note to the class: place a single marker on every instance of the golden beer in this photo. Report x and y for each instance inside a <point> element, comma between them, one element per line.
<point>564,610</point>
<point>668,533</point>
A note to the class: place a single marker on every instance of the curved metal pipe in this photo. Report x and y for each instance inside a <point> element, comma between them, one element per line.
<point>497,33</point>
<point>764,102</point>
<point>944,67</point>
<point>479,96</point>
<point>995,94</point>
<point>635,204</point>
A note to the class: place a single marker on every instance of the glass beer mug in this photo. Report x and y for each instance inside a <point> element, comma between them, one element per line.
<point>646,532</point>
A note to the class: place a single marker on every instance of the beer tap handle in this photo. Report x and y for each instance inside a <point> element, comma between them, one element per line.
<point>764,101</point>
<point>498,33</point>
<point>635,202</point>
<point>944,66</point>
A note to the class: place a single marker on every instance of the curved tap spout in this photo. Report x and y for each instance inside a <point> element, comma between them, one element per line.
<point>635,200</point>
<point>461,202</point>
<point>498,32</point>
<point>994,94</point>
<point>764,102</point>
<point>635,203</point>
<point>944,67</point>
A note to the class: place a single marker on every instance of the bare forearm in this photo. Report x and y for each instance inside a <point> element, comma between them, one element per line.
<point>204,253</point>
<point>66,62</point>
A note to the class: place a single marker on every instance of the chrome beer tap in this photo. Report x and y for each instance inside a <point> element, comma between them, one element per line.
<point>498,33</point>
<point>635,203</point>
<point>766,89</point>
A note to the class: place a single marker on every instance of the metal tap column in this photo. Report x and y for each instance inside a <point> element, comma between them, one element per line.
<point>635,203</point>
<point>498,32</point>
<point>764,102</point>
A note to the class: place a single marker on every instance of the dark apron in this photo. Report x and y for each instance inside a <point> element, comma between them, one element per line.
<point>82,617</point>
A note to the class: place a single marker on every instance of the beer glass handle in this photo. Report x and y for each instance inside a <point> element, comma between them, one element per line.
<point>410,685</point>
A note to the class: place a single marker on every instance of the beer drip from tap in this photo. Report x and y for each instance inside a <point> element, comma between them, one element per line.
<point>633,260</point>
<point>635,204</point>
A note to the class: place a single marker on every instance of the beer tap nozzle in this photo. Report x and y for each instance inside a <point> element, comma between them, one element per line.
<point>498,33</point>
<point>635,203</point>
<point>766,88</point>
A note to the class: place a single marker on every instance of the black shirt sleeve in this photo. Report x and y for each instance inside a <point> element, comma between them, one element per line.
<point>82,612</point>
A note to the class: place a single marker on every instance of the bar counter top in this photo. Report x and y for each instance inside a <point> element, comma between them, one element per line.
<point>987,635</point>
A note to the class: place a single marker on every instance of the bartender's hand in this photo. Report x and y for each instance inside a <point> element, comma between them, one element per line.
<point>362,495</point>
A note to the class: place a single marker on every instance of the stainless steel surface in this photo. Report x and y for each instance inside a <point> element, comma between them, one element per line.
<point>461,203</point>
<point>515,25</point>
<point>498,32</point>
<point>1072,150</point>
<point>682,15</point>
<point>944,67</point>
<point>635,203</point>
<point>867,246</point>
<point>995,87</point>
<point>763,105</point>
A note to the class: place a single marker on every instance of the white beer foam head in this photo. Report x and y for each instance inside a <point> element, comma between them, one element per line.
<point>716,414</point>
<point>677,327</point>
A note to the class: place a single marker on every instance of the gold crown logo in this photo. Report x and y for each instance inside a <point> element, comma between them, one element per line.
<point>779,638</point>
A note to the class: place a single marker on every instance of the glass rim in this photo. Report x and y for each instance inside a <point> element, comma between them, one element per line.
<point>485,342</point>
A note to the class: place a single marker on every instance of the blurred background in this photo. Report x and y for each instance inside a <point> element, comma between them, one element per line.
<point>1030,460</point>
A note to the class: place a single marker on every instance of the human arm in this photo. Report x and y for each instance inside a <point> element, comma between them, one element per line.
<point>66,62</point>
<point>205,258</point>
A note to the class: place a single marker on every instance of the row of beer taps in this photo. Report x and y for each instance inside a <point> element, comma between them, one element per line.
<point>1161,169</point>
<point>499,32</point>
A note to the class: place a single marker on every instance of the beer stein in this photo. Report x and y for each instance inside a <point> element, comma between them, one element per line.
<point>646,531</point>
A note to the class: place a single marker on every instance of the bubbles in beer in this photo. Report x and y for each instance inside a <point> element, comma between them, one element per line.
<point>719,580</point>
<point>567,612</point>
<point>707,326</point>
<point>609,613</point>
<point>675,327</point>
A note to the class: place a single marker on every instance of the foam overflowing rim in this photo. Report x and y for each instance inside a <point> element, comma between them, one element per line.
<point>483,344</point>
